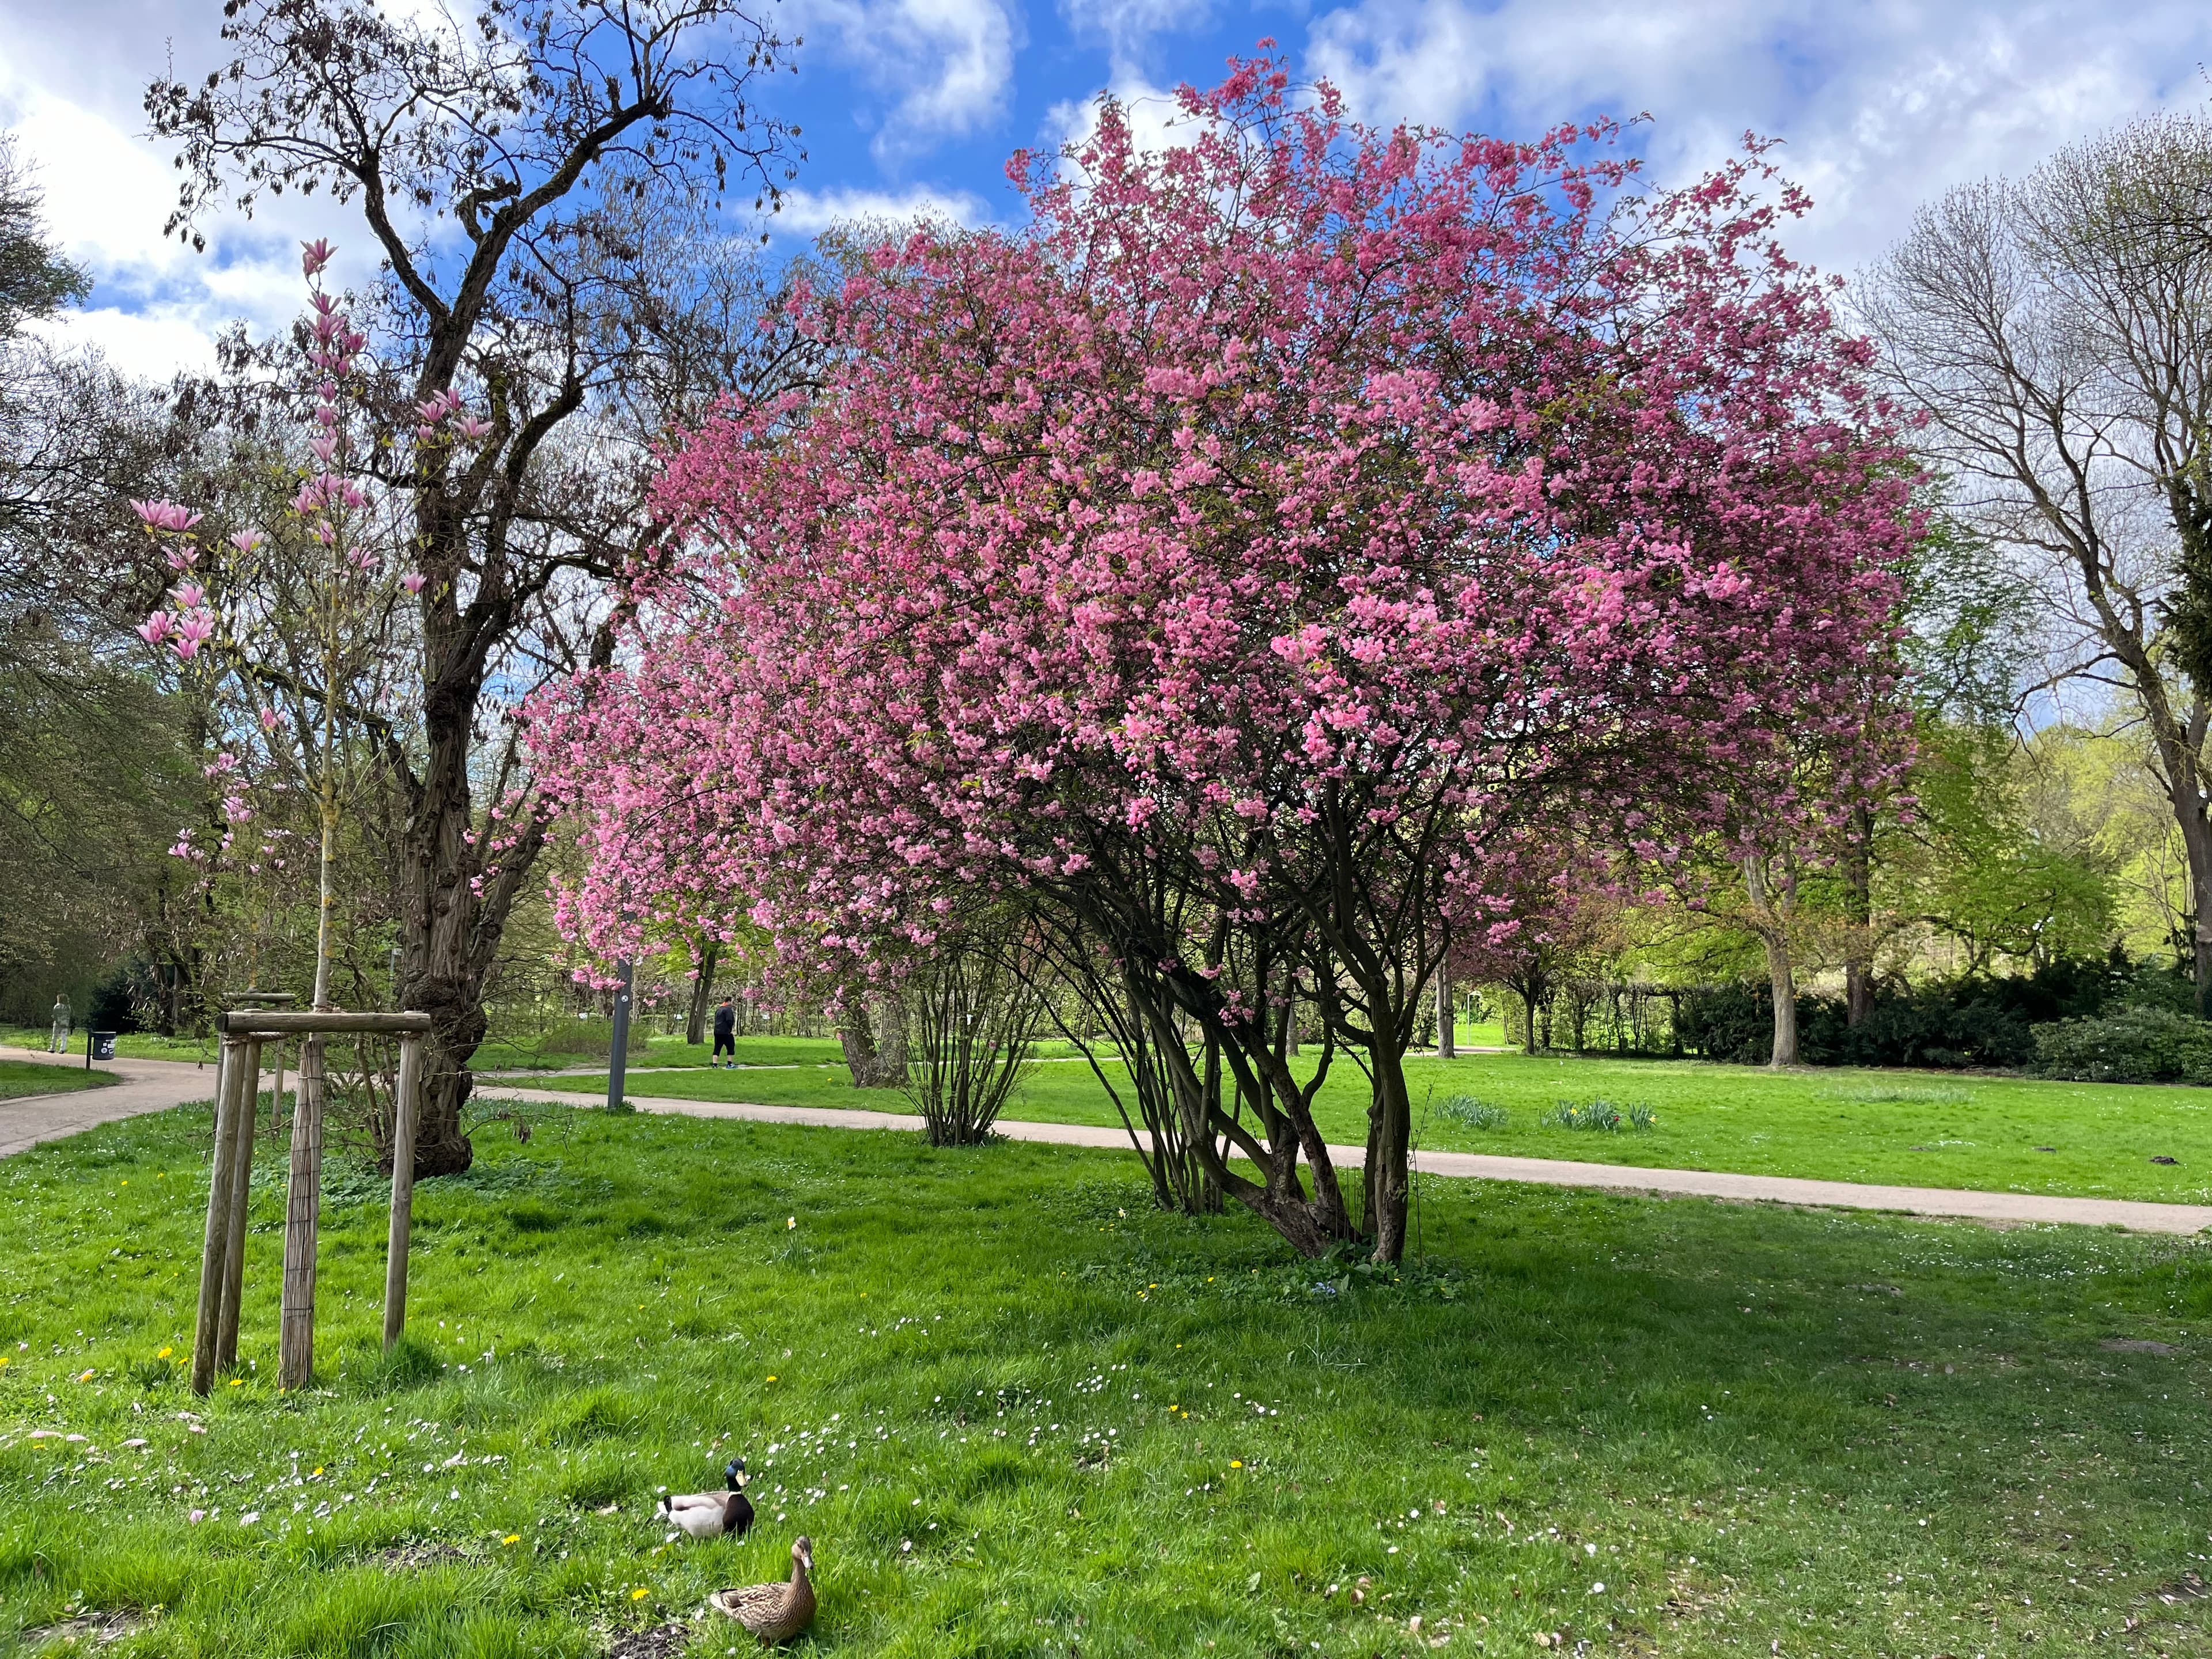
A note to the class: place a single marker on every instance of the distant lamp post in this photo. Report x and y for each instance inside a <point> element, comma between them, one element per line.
<point>618,1060</point>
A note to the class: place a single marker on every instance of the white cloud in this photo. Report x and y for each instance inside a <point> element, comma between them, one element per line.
<point>153,343</point>
<point>950,61</point>
<point>1128,27</point>
<point>809,213</point>
<point>1154,117</point>
<point>156,305</point>
<point>1881,105</point>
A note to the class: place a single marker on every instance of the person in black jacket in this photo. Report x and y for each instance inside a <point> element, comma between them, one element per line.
<point>726,1032</point>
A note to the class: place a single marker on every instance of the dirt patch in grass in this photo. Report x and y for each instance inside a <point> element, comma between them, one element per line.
<point>88,1630</point>
<point>660,1641</point>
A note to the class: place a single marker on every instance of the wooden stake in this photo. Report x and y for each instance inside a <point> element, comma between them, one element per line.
<point>295,1351</point>
<point>276,1093</point>
<point>241,1181</point>
<point>405,1114</point>
<point>216,1246</point>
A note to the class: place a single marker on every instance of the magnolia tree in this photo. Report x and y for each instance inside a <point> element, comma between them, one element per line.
<point>543,187</point>
<point>1242,567</point>
<point>285,629</point>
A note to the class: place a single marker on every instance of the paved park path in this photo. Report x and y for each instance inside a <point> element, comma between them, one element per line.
<point>155,1085</point>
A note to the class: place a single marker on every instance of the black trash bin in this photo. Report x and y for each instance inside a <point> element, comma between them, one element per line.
<point>103,1045</point>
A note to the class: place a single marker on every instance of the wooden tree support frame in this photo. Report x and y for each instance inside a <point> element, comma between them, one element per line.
<point>238,1090</point>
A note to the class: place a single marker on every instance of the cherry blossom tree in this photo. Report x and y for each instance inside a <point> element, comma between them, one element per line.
<point>1235,565</point>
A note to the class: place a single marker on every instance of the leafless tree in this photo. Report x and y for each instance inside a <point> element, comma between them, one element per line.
<point>2057,332</point>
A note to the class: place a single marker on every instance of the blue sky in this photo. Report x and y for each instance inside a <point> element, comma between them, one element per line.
<point>916,103</point>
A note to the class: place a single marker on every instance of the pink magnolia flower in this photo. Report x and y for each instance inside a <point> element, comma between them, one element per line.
<point>154,629</point>
<point>182,556</point>
<point>313,256</point>
<point>412,581</point>
<point>268,719</point>
<point>470,428</point>
<point>190,596</point>
<point>164,515</point>
<point>245,541</point>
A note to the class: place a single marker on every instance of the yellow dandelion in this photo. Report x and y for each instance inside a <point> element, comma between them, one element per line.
<point>639,1595</point>
<point>4,1359</point>
<point>1236,1462</point>
<point>164,1353</point>
<point>771,1379</point>
<point>511,1538</point>
<point>319,1469</point>
<point>237,1382</point>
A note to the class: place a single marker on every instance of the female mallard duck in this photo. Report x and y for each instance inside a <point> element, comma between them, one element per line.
<point>712,1514</point>
<point>774,1612</point>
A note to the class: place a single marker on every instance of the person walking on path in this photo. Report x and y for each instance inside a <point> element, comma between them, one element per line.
<point>58,1044</point>
<point>726,1032</point>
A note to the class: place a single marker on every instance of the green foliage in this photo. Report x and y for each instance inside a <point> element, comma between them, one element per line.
<point>2129,1045</point>
<point>1975,1020</point>
<point>1473,1113</point>
<point>1602,1115</point>
<point>1020,1412</point>
<point>35,280</point>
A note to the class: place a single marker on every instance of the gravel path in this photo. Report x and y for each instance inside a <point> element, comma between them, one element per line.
<point>155,1085</point>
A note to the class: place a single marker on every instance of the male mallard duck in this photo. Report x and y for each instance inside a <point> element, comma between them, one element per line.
<point>712,1514</point>
<point>774,1612</point>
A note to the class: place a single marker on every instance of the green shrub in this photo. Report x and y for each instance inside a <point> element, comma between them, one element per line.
<point>1474,1114</point>
<point>1602,1115</point>
<point>2130,1045</point>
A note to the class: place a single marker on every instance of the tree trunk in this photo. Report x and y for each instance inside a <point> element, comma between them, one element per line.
<point>702,994</point>
<point>2196,846</point>
<point>451,932</point>
<point>890,1042</point>
<point>1784,985</point>
<point>1445,1048</point>
<point>859,1044</point>
<point>1858,911</point>
<point>1389,1141</point>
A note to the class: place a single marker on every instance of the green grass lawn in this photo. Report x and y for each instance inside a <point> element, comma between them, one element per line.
<point>132,1045</point>
<point>1919,1128</point>
<point>662,1052</point>
<point>32,1077</point>
<point>1021,1413</point>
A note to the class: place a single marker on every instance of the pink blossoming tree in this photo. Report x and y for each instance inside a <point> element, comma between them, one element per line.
<point>1243,567</point>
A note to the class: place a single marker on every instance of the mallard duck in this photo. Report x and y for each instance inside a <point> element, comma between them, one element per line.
<point>774,1612</point>
<point>712,1514</point>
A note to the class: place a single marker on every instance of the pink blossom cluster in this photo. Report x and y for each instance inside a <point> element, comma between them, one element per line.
<point>1302,501</point>
<point>187,623</point>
